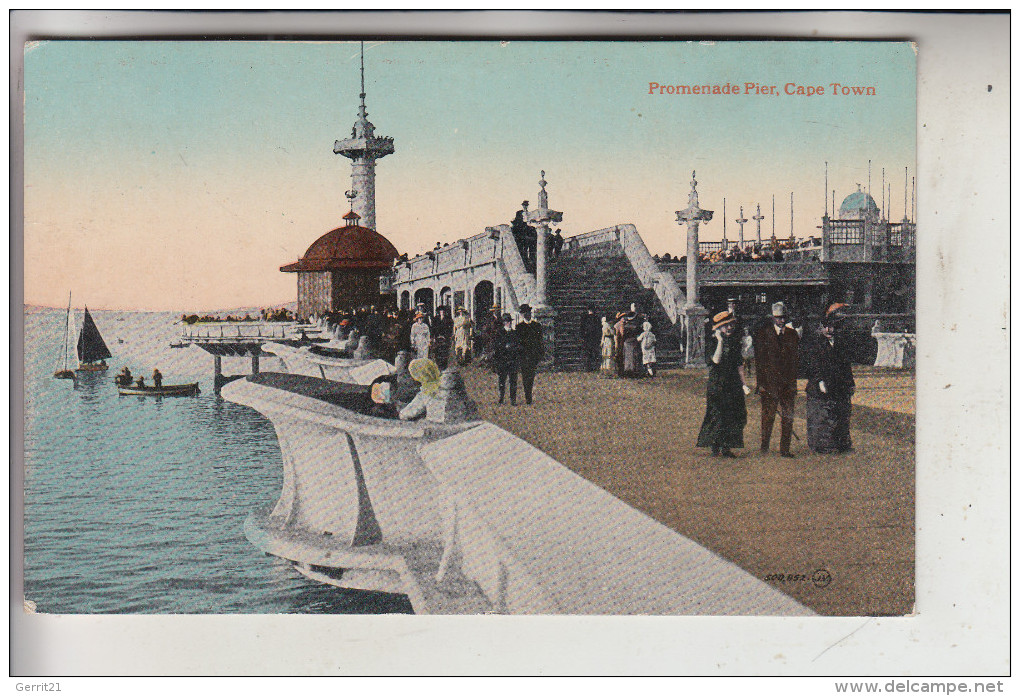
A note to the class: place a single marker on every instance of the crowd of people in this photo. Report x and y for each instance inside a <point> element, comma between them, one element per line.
<point>526,237</point>
<point>779,350</point>
<point>124,378</point>
<point>265,314</point>
<point>769,251</point>
<point>625,347</point>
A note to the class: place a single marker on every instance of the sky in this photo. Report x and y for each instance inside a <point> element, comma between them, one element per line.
<point>180,176</point>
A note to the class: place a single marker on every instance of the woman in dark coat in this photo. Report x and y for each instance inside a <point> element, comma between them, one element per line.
<point>830,386</point>
<point>725,412</point>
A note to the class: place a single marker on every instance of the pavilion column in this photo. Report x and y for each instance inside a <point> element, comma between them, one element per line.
<point>541,217</point>
<point>694,313</point>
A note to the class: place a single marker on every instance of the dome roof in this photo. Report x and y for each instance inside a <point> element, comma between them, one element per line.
<point>346,247</point>
<point>858,205</point>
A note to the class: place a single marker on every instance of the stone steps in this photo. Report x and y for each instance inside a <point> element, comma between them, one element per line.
<point>609,284</point>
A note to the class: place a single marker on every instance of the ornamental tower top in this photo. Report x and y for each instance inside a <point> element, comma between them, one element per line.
<point>363,148</point>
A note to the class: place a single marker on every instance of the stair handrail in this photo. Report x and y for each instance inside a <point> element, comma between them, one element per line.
<point>512,297</point>
<point>519,280</point>
<point>649,273</point>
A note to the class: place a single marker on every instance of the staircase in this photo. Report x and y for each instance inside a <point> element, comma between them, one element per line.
<point>603,279</point>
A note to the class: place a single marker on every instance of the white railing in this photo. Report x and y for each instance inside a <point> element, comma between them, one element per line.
<point>609,234</point>
<point>650,274</point>
<point>509,261</point>
<point>555,543</point>
<point>512,300</point>
<point>240,330</point>
<point>646,268</point>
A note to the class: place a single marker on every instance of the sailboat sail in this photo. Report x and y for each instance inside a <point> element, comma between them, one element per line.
<point>72,330</point>
<point>91,346</point>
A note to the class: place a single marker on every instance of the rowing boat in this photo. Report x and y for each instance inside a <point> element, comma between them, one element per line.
<point>162,390</point>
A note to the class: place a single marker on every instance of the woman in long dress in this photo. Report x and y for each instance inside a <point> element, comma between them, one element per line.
<point>725,411</point>
<point>421,336</point>
<point>830,386</point>
<point>608,346</point>
<point>647,342</point>
<point>462,336</point>
<point>618,345</point>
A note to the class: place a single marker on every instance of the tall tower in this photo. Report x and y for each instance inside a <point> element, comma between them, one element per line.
<point>363,148</point>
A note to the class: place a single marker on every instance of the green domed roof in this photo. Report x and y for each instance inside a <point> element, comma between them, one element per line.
<point>858,205</point>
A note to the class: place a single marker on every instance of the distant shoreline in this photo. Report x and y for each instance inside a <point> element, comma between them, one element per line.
<point>254,309</point>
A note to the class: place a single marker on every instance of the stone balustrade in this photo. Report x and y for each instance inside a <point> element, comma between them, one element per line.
<point>466,518</point>
<point>538,539</point>
<point>755,273</point>
<point>356,495</point>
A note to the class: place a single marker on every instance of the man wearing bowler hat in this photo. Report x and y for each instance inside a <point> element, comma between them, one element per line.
<point>775,354</point>
<point>529,333</point>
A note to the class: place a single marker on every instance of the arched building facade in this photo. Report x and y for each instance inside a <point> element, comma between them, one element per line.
<point>476,273</point>
<point>340,271</point>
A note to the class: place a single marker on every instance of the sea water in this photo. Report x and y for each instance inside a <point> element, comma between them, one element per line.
<point>137,504</point>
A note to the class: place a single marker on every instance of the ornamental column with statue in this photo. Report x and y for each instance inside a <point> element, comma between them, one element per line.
<point>694,314</point>
<point>541,217</point>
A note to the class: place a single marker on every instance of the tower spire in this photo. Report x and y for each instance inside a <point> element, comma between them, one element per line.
<point>363,148</point>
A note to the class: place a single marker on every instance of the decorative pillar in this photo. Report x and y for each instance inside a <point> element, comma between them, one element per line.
<point>541,217</point>
<point>725,243</point>
<point>758,218</point>
<point>740,221</point>
<point>693,215</point>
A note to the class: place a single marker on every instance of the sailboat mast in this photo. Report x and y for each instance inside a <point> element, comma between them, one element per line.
<point>67,327</point>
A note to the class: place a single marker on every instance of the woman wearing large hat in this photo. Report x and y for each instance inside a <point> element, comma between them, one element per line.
<point>725,411</point>
<point>830,385</point>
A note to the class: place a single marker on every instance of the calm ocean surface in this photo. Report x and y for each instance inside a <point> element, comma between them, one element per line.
<point>137,504</point>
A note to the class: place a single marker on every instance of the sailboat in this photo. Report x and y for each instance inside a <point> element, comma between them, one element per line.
<point>64,373</point>
<point>92,350</point>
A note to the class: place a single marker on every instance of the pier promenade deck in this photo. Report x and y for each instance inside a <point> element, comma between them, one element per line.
<point>846,517</point>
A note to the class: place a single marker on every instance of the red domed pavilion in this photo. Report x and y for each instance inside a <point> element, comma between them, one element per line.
<point>341,269</point>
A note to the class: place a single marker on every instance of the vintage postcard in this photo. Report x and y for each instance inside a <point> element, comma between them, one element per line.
<point>470,327</point>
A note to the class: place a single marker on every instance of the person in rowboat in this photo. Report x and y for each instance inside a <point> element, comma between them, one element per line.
<point>157,378</point>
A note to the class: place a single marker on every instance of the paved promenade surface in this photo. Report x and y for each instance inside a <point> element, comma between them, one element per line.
<point>841,526</point>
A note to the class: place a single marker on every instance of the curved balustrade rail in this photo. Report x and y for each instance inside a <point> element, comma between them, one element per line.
<point>468,518</point>
<point>651,276</point>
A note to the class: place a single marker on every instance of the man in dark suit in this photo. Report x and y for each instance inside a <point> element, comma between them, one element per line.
<point>775,355</point>
<point>591,338</point>
<point>529,333</point>
<point>506,357</point>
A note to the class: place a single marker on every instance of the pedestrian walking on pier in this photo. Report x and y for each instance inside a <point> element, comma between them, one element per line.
<point>830,385</point>
<point>776,361</point>
<point>591,335</point>
<point>507,358</point>
<point>462,336</point>
<point>725,410</point>
<point>608,347</point>
<point>557,243</point>
<point>646,339</point>
<point>421,336</point>
<point>529,333</point>
<point>442,337</point>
